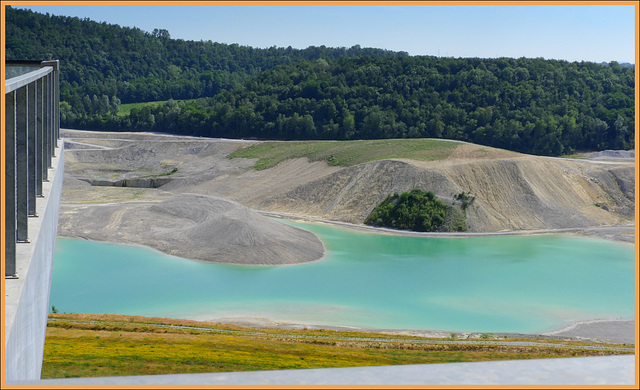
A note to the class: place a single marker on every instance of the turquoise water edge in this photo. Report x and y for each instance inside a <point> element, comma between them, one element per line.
<point>524,284</point>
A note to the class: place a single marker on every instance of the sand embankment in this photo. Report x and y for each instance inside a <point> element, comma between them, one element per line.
<point>517,193</point>
<point>514,192</point>
<point>197,227</point>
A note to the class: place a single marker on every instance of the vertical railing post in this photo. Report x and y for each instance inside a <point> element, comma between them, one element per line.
<point>10,185</point>
<point>46,123</point>
<point>40,143</point>
<point>32,148</point>
<point>56,95</point>
<point>51,115</point>
<point>54,79</point>
<point>22,163</point>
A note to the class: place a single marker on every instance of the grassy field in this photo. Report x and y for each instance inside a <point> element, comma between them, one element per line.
<point>84,345</point>
<point>346,153</point>
<point>125,109</point>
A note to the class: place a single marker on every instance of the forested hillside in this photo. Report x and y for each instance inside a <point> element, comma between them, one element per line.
<point>139,66</point>
<point>527,105</point>
<point>535,106</point>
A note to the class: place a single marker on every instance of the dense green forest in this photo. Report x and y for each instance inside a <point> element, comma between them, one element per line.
<point>419,211</point>
<point>538,106</point>
<point>138,66</point>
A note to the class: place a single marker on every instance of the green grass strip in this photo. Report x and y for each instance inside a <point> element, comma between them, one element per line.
<point>125,109</point>
<point>346,153</point>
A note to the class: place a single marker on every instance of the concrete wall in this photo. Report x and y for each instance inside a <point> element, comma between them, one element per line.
<point>600,370</point>
<point>27,298</point>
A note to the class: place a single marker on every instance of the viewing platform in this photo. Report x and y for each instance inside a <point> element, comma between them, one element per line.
<point>31,188</point>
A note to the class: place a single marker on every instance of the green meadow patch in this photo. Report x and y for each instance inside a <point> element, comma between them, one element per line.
<point>125,109</point>
<point>346,153</point>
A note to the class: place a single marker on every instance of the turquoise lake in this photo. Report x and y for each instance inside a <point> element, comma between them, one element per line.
<point>481,284</point>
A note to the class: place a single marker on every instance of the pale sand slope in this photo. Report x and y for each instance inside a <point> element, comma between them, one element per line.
<point>517,193</point>
<point>197,227</point>
<point>513,191</point>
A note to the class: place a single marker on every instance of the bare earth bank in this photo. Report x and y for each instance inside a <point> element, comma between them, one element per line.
<point>513,192</point>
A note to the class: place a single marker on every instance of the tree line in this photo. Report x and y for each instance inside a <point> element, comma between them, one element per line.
<point>527,105</point>
<point>546,107</point>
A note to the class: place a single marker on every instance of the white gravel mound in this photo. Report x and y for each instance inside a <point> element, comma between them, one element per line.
<point>614,155</point>
<point>197,227</point>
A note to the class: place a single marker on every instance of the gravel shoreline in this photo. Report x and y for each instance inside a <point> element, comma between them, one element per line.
<point>621,234</point>
<point>614,331</point>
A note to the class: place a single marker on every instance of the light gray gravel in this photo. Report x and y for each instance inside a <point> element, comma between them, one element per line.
<point>196,227</point>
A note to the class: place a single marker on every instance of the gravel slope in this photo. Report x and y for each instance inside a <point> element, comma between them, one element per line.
<point>197,227</point>
<point>513,192</point>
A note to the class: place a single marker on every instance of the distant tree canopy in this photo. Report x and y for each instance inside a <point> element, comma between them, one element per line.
<point>538,106</point>
<point>139,66</point>
<point>417,210</point>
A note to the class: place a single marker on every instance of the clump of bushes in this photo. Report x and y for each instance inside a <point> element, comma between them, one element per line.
<point>419,211</point>
<point>466,199</point>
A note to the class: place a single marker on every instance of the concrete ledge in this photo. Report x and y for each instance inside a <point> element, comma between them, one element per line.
<point>606,370</point>
<point>27,298</point>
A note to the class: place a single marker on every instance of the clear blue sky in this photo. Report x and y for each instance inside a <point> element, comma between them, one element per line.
<point>573,33</point>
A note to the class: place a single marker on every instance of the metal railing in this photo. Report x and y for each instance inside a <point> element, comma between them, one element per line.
<point>32,128</point>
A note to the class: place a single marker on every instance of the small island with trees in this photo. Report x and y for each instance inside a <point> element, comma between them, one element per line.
<point>421,211</point>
